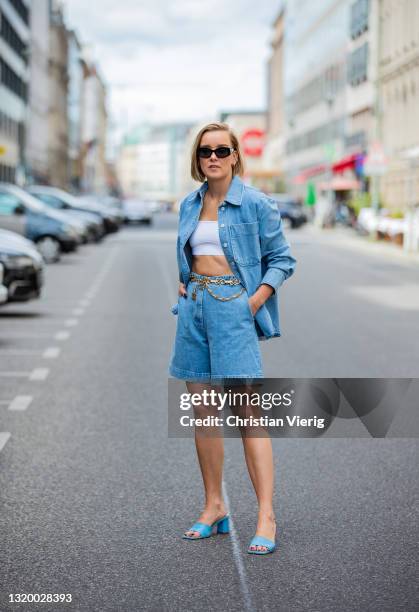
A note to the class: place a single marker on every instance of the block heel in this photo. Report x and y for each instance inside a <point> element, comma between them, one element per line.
<point>205,531</point>
<point>224,525</point>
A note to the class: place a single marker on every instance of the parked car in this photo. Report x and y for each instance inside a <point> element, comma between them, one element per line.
<point>137,211</point>
<point>65,202</point>
<point>3,288</point>
<point>24,214</point>
<point>290,210</point>
<point>105,204</point>
<point>21,268</point>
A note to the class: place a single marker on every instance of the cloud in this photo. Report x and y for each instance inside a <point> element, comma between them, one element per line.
<point>177,60</point>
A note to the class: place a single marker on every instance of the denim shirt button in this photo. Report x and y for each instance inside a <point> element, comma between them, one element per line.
<point>222,225</point>
<point>224,244</point>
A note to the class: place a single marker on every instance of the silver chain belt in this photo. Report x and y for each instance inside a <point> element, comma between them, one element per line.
<point>205,282</point>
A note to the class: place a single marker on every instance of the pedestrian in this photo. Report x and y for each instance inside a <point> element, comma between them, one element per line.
<point>232,259</point>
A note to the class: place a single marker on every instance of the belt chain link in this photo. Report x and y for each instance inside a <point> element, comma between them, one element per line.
<point>205,282</point>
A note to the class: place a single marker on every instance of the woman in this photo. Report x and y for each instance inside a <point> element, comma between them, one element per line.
<point>232,258</point>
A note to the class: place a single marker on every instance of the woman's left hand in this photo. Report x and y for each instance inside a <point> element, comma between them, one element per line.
<point>254,304</point>
<point>260,296</point>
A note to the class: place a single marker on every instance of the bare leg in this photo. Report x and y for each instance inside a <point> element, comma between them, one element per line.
<point>257,448</point>
<point>209,444</point>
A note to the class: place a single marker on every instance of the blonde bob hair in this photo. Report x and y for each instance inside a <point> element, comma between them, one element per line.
<point>196,171</point>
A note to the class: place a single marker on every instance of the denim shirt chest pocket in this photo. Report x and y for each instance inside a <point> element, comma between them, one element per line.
<point>245,243</point>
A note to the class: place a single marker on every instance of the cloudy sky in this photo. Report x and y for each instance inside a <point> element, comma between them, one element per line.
<point>167,60</point>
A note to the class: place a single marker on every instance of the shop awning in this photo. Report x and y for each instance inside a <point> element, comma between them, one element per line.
<point>350,161</point>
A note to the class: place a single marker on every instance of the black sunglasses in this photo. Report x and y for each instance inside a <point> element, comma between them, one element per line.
<point>220,152</point>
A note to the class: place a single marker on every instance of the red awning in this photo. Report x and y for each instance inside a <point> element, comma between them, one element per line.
<point>345,163</point>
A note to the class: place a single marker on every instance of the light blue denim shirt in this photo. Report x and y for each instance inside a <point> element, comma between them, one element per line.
<point>251,235</point>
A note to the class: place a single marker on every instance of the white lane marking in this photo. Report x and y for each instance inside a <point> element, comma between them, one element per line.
<point>71,322</point>
<point>62,335</point>
<point>247,598</point>
<point>77,311</point>
<point>20,402</point>
<point>4,436</point>
<point>51,352</point>
<point>18,352</point>
<point>23,335</point>
<point>39,374</point>
<point>84,303</point>
<point>38,323</point>
<point>17,374</point>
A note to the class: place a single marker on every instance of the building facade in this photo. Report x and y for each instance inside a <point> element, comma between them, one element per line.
<point>315,53</point>
<point>74,101</point>
<point>14,78</point>
<point>152,161</point>
<point>37,155</point>
<point>362,75</point>
<point>399,95</point>
<point>57,93</point>
<point>274,147</point>
<point>93,129</point>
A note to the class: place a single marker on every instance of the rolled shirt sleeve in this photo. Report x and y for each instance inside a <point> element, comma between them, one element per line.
<point>276,254</point>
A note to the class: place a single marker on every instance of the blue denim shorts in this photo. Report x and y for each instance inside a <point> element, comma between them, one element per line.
<point>215,339</point>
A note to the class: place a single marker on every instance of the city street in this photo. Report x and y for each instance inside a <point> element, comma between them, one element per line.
<point>95,496</point>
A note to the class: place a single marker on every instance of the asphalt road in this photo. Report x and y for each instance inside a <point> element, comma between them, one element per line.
<point>94,496</point>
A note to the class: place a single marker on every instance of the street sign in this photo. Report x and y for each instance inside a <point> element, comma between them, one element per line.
<point>375,163</point>
<point>253,142</point>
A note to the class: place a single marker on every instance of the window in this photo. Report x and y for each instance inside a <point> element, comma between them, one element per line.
<point>8,203</point>
<point>9,34</point>
<point>12,81</point>
<point>7,174</point>
<point>359,18</point>
<point>21,9</point>
<point>48,199</point>
<point>358,65</point>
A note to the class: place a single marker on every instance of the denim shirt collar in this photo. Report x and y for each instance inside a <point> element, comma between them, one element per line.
<point>234,193</point>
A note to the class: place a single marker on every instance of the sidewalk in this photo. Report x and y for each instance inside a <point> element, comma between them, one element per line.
<point>347,238</point>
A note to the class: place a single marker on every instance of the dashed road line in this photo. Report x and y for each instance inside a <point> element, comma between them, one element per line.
<point>4,436</point>
<point>18,352</point>
<point>71,322</point>
<point>20,402</point>
<point>51,352</point>
<point>62,335</point>
<point>11,335</point>
<point>77,311</point>
<point>39,374</point>
<point>15,374</point>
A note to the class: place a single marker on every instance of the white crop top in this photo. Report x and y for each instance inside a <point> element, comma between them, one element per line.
<point>205,240</point>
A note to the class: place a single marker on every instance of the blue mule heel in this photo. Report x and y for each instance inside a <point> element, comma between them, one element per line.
<point>205,531</point>
<point>261,541</point>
